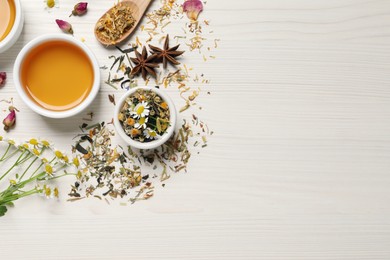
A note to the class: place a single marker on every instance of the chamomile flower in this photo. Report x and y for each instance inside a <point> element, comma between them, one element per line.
<point>59,154</point>
<point>150,134</point>
<point>33,141</point>
<point>44,160</point>
<point>65,159</point>
<point>141,123</point>
<point>46,191</point>
<point>49,169</point>
<point>23,147</point>
<point>56,192</point>
<point>76,162</point>
<point>45,143</point>
<point>140,110</point>
<point>35,152</point>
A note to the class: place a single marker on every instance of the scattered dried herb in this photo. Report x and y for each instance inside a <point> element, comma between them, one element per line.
<point>126,50</point>
<point>112,99</point>
<point>122,73</point>
<point>105,171</point>
<point>111,172</point>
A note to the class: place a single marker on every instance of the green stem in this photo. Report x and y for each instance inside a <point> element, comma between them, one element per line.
<point>59,176</point>
<point>40,165</point>
<point>31,164</point>
<point>13,166</point>
<point>13,188</point>
<point>26,158</point>
<point>6,200</point>
<point>2,157</point>
<point>12,154</point>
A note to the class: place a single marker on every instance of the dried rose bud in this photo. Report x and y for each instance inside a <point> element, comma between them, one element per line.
<point>3,77</point>
<point>79,9</point>
<point>192,8</point>
<point>64,26</point>
<point>10,120</point>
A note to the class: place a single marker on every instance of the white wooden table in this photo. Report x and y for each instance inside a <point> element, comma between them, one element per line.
<point>298,167</point>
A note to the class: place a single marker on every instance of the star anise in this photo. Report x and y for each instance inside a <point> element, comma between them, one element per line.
<point>167,54</point>
<point>144,64</point>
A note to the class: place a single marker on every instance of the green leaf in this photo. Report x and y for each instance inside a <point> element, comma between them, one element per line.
<point>158,125</point>
<point>3,210</point>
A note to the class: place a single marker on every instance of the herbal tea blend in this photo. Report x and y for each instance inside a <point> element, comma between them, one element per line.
<point>144,116</point>
<point>115,23</point>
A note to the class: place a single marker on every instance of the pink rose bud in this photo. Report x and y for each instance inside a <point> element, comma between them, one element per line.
<point>79,9</point>
<point>192,8</point>
<point>10,120</point>
<point>3,77</point>
<point>64,26</point>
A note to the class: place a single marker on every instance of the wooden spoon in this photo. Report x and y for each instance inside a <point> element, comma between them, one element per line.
<point>138,8</point>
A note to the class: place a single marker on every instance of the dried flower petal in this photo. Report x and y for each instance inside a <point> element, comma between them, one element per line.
<point>3,77</point>
<point>192,8</point>
<point>64,26</point>
<point>10,120</point>
<point>79,9</point>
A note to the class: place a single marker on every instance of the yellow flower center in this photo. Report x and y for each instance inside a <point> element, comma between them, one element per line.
<point>152,133</point>
<point>50,3</point>
<point>45,143</point>
<point>142,120</point>
<point>56,192</point>
<point>48,169</point>
<point>47,191</point>
<point>140,110</point>
<point>33,141</point>
<point>58,154</point>
<point>76,162</point>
